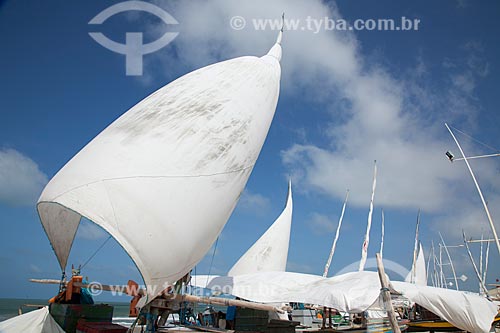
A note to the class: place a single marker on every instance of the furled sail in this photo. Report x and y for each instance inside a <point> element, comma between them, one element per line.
<point>270,252</point>
<point>164,178</point>
<point>364,249</point>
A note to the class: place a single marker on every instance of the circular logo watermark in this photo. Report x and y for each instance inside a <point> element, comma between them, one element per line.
<point>134,48</point>
<point>237,22</point>
<point>95,288</point>
<point>371,264</point>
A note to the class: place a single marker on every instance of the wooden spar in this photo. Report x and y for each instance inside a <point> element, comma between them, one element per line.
<point>174,297</point>
<point>226,302</point>
<point>480,240</point>
<point>386,295</point>
<point>93,286</point>
<point>490,220</point>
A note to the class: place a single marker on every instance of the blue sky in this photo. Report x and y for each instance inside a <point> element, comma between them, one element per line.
<point>346,99</point>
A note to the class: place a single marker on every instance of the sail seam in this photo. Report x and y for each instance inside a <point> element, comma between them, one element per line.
<point>152,176</point>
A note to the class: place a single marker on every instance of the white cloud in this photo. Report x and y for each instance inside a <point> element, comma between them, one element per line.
<point>21,180</point>
<point>253,202</point>
<point>321,224</point>
<point>374,113</point>
<point>397,120</point>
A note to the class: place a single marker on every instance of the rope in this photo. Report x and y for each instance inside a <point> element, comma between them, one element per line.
<point>211,262</point>
<point>480,142</point>
<point>98,249</point>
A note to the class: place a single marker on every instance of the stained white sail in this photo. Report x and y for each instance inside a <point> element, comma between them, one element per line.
<point>270,252</point>
<point>366,242</point>
<point>164,178</point>
<point>418,273</point>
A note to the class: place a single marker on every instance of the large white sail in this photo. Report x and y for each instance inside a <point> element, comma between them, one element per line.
<point>270,252</point>
<point>418,273</point>
<point>164,178</point>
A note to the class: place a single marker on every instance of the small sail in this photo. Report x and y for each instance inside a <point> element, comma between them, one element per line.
<point>270,252</point>
<point>36,321</point>
<point>418,274</point>
<point>164,178</point>
<point>364,250</point>
<point>337,233</point>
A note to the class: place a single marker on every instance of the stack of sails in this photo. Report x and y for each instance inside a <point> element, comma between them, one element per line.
<point>164,178</point>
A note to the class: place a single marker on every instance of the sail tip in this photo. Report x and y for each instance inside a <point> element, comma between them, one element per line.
<point>275,51</point>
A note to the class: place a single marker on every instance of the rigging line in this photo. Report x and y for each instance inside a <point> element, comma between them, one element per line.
<point>211,262</point>
<point>480,142</point>
<point>98,249</point>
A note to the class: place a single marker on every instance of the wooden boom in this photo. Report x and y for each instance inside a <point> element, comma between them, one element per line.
<point>173,296</point>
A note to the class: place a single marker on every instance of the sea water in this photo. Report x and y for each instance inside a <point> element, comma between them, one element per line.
<point>9,307</point>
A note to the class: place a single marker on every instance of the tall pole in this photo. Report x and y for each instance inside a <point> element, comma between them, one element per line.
<point>492,225</point>
<point>386,295</point>
<point>481,262</point>
<point>429,263</point>
<point>334,245</point>
<point>383,233</point>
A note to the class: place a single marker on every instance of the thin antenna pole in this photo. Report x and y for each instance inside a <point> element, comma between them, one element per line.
<point>481,261</point>
<point>334,245</point>
<point>443,280</point>
<point>487,259</point>
<point>451,262</point>
<point>431,254</point>
<point>474,157</point>
<point>383,232</point>
<point>428,266</point>
<point>481,282</point>
<point>492,225</point>
<point>436,277</point>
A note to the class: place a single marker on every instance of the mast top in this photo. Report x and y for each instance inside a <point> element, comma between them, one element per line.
<point>276,51</point>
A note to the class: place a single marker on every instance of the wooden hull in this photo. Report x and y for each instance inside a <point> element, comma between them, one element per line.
<point>431,326</point>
